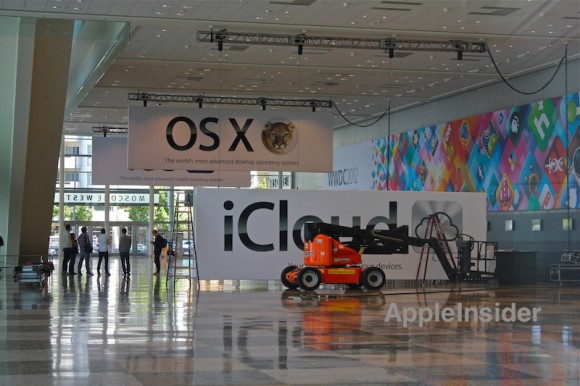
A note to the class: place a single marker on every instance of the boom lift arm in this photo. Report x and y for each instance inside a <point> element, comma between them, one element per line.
<point>382,241</point>
<point>329,258</point>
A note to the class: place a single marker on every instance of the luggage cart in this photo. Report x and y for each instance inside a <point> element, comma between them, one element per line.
<point>568,271</point>
<point>33,273</point>
<point>29,274</point>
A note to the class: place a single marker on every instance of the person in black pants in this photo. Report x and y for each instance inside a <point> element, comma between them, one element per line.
<point>124,250</point>
<point>66,250</point>
<point>73,254</point>
<point>158,245</point>
<point>104,242</point>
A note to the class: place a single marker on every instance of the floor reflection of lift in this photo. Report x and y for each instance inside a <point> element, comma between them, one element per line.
<point>330,321</point>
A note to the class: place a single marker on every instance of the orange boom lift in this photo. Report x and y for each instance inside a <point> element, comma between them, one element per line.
<point>327,260</point>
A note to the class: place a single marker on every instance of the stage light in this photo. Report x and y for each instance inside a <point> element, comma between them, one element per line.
<point>458,46</point>
<point>314,104</point>
<point>391,53</point>
<point>263,102</point>
<point>300,40</point>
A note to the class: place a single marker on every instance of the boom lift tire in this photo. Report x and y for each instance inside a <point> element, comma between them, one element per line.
<point>285,281</point>
<point>309,279</point>
<point>373,278</point>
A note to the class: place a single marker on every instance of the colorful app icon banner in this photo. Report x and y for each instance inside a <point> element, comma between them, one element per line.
<point>523,157</point>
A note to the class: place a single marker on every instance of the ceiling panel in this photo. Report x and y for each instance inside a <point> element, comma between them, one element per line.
<point>164,56</point>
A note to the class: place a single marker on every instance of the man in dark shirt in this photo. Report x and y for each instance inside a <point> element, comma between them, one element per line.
<point>124,248</point>
<point>158,245</point>
<point>85,249</point>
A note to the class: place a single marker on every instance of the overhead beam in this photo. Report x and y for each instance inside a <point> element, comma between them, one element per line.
<point>226,100</point>
<point>228,37</point>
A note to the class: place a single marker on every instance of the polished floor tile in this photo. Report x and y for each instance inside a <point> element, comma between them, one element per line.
<point>147,330</point>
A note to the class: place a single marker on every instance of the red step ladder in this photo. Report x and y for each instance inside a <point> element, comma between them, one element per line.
<point>434,225</point>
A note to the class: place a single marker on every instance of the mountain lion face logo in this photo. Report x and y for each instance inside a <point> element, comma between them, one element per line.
<point>279,136</point>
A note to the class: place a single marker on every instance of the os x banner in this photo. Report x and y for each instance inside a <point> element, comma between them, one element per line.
<point>218,139</point>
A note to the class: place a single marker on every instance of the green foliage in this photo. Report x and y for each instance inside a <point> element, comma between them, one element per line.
<point>139,213</point>
<point>81,212</point>
<point>262,183</point>
<point>84,213</point>
<point>160,213</point>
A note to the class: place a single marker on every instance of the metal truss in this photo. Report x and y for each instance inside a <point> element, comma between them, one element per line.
<point>225,36</point>
<point>109,130</point>
<point>224,100</point>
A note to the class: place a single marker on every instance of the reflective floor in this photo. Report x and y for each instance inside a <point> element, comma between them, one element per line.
<point>83,330</point>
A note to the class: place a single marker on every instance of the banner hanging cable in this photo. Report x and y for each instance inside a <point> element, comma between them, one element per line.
<point>504,79</point>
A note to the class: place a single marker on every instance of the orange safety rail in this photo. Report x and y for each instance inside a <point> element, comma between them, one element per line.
<point>323,251</point>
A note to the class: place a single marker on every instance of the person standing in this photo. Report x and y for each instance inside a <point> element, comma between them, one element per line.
<point>66,250</point>
<point>124,248</point>
<point>104,243</point>
<point>85,250</point>
<point>158,245</point>
<point>73,255</point>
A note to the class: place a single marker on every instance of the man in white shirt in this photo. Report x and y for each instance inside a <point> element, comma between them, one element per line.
<point>104,243</point>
